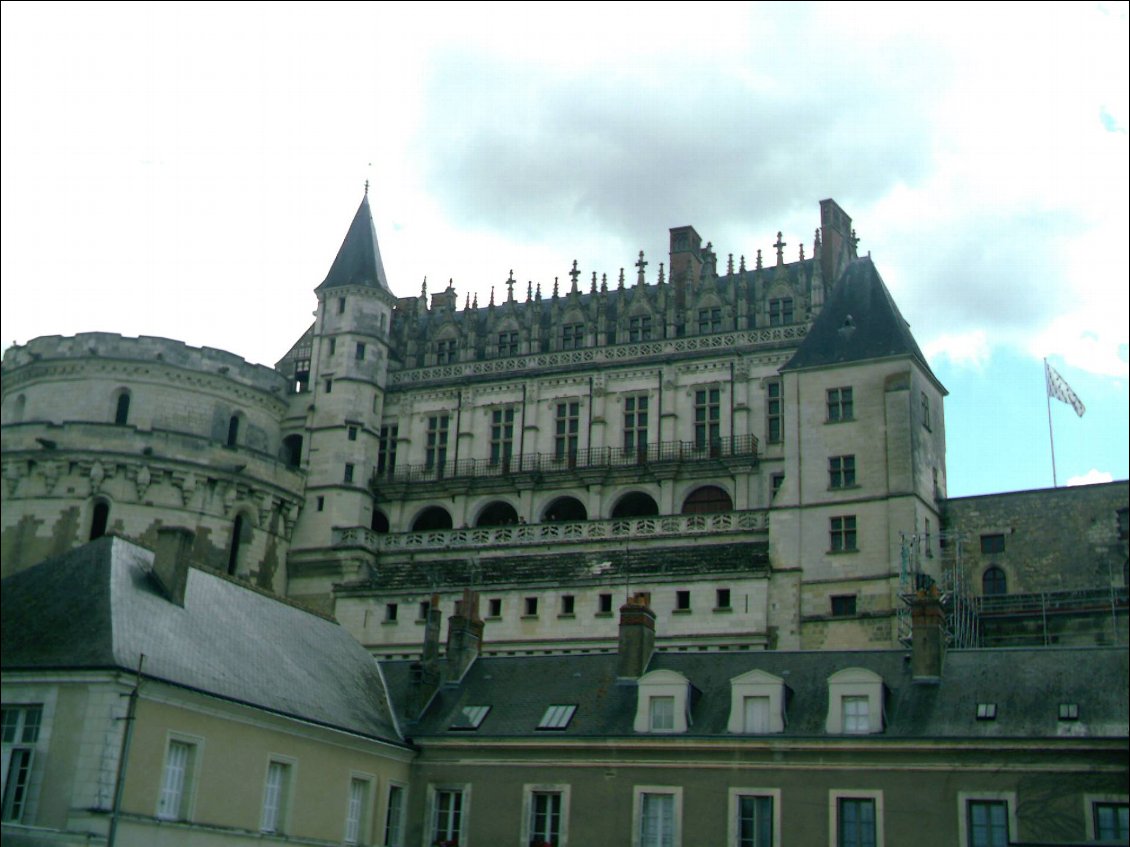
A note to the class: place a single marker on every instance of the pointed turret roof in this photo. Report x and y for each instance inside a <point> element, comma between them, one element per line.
<point>358,260</point>
<point>859,322</point>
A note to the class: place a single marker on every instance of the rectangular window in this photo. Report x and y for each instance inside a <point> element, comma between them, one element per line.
<point>445,352</point>
<point>992,543</point>
<point>329,385</point>
<point>507,344</point>
<point>355,810</point>
<point>348,473</point>
<point>856,715</point>
<point>1112,821</point>
<point>840,405</point>
<point>567,433</point>
<point>386,449</point>
<point>447,824</point>
<point>781,311</point>
<point>707,418</point>
<point>359,353</point>
<point>683,601</point>
<point>333,346</point>
<point>842,531</point>
<point>841,472</point>
<point>557,716</point>
<point>176,782</point>
<point>988,823</point>
<point>20,735</point>
<point>391,610</point>
<point>572,336</point>
<point>635,424</point>
<point>568,602</point>
<point>425,607</point>
<point>755,715</point>
<point>722,598</point>
<point>661,713</point>
<point>351,433</point>
<point>709,320</point>
<point>435,449</point>
<point>341,305</point>
<point>545,818</point>
<point>855,822</point>
<point>755,821</point>
<point>774,412</point>
<point>501,436</point>
<point>604,604</point>
<point>321,503</point>
<point>657,820</point>
<point>843,605</point>
<point>925,410</point>
<point>275,796</point>
<point>494,606</point>
<point>394,817</point>
<point>639,328</point>
<point>776,481</point>
<point>531,607</point>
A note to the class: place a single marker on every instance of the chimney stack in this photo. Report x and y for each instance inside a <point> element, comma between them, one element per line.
<point>927,636</point>
<point>637,635</point>
<point>837,241</point>
<point>464,635</point>
<point>170,561</point>
<point>425,675</point>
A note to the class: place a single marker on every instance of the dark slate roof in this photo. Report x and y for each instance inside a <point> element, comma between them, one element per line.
<point>858,322</point>
<point>358,260</point>
<point>569,566</point>
<point>97,607</point>
<point>1027,686</point>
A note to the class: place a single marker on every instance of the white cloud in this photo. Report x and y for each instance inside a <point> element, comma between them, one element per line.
<point>1091,477</point>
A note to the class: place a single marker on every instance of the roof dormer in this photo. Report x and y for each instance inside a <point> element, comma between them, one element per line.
<point>855,702</point>
<point>663,702</point>
<point>757,703</point>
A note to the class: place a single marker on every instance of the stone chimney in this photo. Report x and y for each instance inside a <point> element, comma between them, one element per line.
<point>464,636</point>
<point>685,261</point>
<point>637,635</point>
<point>425,674</point>
<point>837,241</point>
<point>170,562</point>
<point>927,636</point>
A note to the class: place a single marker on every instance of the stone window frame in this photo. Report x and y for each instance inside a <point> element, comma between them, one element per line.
<point>663,683</point>
<point>964,798</point>
<point>835,795</point>
<point>529,789</point>
<point>1090,801</point>
<point>434,790</point>
<point>735,795</point>
<point>757,683</point>
<point>855,682</point>
<point>638,793</point>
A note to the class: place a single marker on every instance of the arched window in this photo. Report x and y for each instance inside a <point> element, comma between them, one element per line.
<point>379,523</point>
<point>121,410</point>
<point>433,517</point>
<point>99,519</point>
<point>292,450</point>
<point>993,581</point>
<point>636,504</point>
<point>233,431</point>
<point>240,534</point>
<point>566,509</point>
<point>709,498</point>
<point>497,513</point>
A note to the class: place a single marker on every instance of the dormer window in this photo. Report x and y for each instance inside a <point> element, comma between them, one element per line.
<point>855,702</point>
<point>757,704</point>
<point>663,702</point>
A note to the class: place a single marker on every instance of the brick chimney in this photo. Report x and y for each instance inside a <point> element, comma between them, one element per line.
<point>464,636</point>
<point>837,241</point>
<point>685,261</point>
<point>170,562</point>
<point>425,674</point>
<point>637,635</point>
<point>927,636</point>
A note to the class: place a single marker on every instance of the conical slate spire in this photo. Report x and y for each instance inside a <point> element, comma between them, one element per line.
<point>358,260</point>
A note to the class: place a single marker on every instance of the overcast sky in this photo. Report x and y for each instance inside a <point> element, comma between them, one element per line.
<point>189,171</point>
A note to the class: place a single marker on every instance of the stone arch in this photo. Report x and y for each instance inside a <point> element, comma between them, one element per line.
<point>432,517</point>
<point>707,499</point>
<point>565,510</point>
<point>234,424</point>
<point>122,399</point>
<point>99,517</point>
<point>635,504</point>
<point>994,581</point>
<point>379,522</point>
<point>497,513</point>
<point>240,539</point>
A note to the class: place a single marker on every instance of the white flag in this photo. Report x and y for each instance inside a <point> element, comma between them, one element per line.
<point>1060,390</point>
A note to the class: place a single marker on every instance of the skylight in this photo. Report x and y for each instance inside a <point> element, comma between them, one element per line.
<point>557,717</point>
<point>986,711</point>
<point>469,718</point>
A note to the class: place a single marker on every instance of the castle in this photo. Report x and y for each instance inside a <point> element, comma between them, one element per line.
<point>702,501</point>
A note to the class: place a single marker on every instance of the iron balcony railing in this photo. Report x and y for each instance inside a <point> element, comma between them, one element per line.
<point>1051,602</point>
<point>660,453</point>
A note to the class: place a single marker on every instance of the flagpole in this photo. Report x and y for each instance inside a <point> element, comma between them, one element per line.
<point>1051,436</point>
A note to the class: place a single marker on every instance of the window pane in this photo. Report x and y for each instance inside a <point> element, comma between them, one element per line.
<point>755,821</point>
<point>657,824</point>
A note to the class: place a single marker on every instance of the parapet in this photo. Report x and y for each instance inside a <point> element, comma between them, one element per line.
<point>145,348</point>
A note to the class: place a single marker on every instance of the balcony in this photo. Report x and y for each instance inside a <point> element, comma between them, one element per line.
<point>663,453</point>
<point>579,532</point>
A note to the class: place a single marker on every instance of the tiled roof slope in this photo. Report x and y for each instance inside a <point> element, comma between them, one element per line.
<point>858,322</point>
<point>1026,685</point>
<point>529,569</point>
<point>97,607</point>
<point>358,260</point>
